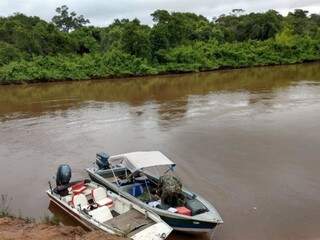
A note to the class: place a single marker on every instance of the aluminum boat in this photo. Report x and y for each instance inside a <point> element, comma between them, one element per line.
<point>99,209</point>
<point>125,173</point>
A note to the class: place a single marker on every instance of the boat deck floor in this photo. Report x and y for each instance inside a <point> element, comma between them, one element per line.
<point>130,221</point>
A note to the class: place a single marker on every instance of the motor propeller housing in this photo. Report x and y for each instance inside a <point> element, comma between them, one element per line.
<point>63,175</point>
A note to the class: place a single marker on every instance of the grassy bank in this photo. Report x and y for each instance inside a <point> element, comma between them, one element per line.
<point>201,56</point>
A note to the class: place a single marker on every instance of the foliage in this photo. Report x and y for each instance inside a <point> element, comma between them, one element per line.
<point>74,67</point>
<point>257,26</point>
<point>198,57</point>
<point>51,220</point>
<point>66,21</point>
<point>8,53</point>
<point>33,50</point>
<point>4,205</point>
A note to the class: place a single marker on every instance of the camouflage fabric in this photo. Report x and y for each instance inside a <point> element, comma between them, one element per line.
<point>170,190</point>
<point>145,197</point>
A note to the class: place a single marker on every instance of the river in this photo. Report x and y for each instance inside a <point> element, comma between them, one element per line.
<point>247,140</point>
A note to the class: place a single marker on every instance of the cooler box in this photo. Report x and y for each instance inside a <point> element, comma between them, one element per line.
<point>184,211</point>
<point>136,190</point>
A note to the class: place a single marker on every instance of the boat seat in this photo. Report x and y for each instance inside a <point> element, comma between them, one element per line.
<point>78,187</point>
<point>100,197</point>
<point>101,214</point>
<point>80,200</point>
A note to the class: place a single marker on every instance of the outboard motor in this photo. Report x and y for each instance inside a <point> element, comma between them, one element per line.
<point>102,160</point>
<point>63,175</point>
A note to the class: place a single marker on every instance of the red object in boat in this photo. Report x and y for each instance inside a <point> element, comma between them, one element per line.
<point>78,187</point>
<point>184,211</point>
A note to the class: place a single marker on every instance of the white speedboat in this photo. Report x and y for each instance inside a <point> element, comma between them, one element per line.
<point>98,209</point>
<point>131,175</point>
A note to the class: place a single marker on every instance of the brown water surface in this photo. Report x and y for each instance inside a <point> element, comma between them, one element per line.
<point>248,140</point>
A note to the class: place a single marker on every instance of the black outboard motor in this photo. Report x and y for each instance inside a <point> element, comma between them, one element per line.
<point>102,160</point>
<point>63,175</point>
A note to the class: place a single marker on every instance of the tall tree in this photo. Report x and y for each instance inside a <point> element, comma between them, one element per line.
<point>66,21</point>
<point>136,39</point>
<point>299,21</point>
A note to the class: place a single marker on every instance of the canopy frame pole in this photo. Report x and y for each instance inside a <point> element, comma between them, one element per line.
<point>145,180</point>
<point>169,169</point>
<point>115,177</point>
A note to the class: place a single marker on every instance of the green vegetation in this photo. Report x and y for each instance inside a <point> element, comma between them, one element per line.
<point>5,209</point>
<point>50,220</point>
<point>4,206</point>
<point>6,213</point>
<point>33,50</point>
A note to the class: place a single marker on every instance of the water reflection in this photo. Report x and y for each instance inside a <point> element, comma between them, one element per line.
<point>170,92</point>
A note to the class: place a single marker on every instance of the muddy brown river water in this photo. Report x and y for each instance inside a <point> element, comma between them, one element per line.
<point>248,140</point>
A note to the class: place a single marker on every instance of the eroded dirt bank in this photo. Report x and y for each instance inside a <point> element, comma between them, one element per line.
<point>17,229</point>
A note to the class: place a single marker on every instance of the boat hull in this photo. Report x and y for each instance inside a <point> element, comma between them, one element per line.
<point>180,223</point>
<point>72,214</point>
<point>184,225</point>
<point>158,231</point>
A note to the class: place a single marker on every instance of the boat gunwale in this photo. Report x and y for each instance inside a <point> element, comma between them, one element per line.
<point>158,211</point>
<point>92,224</point>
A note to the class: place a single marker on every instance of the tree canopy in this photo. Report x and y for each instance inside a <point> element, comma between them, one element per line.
<point>177,41</point>
<point>66,21</point>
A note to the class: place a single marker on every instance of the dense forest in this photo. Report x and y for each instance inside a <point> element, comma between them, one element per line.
<point>68,48</point>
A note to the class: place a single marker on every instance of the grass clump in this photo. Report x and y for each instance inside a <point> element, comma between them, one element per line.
<point>5,205</point>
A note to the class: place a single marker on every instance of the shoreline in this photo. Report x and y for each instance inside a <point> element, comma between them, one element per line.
<point>169,73</point>
<point>24,229</point>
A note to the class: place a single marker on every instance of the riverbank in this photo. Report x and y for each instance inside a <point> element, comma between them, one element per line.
<point>192,58</point>
<point>16,229</point>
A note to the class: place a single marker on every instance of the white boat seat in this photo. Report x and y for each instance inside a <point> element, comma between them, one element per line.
<point>99,195</point>
<point>80,200</point>
<point>101,214</point>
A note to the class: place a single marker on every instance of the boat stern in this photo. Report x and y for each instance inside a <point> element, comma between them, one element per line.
<point>158,231</point>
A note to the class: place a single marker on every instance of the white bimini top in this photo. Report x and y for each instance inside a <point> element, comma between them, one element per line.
<point>136,161</point>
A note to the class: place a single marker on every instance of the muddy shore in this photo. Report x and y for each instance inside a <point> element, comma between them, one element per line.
<point>12,228</point>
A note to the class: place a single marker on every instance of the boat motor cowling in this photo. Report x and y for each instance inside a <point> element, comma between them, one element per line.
<point>63,175</point>
<point>102,160</point>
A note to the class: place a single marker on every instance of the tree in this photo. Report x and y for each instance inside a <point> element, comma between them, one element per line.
<point>66,21</point>
<point>110,38</point>
<point>315,18</point>
<point>161,16</point>
<point>8,53</point>
<point>257,26</point>
<point>299,20</point>
<point>173,29</point>
<point>135,39</point>
<point>237,12</point>
<point>86,40</point>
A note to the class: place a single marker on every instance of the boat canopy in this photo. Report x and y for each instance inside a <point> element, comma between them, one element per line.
<point>136,161</point>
